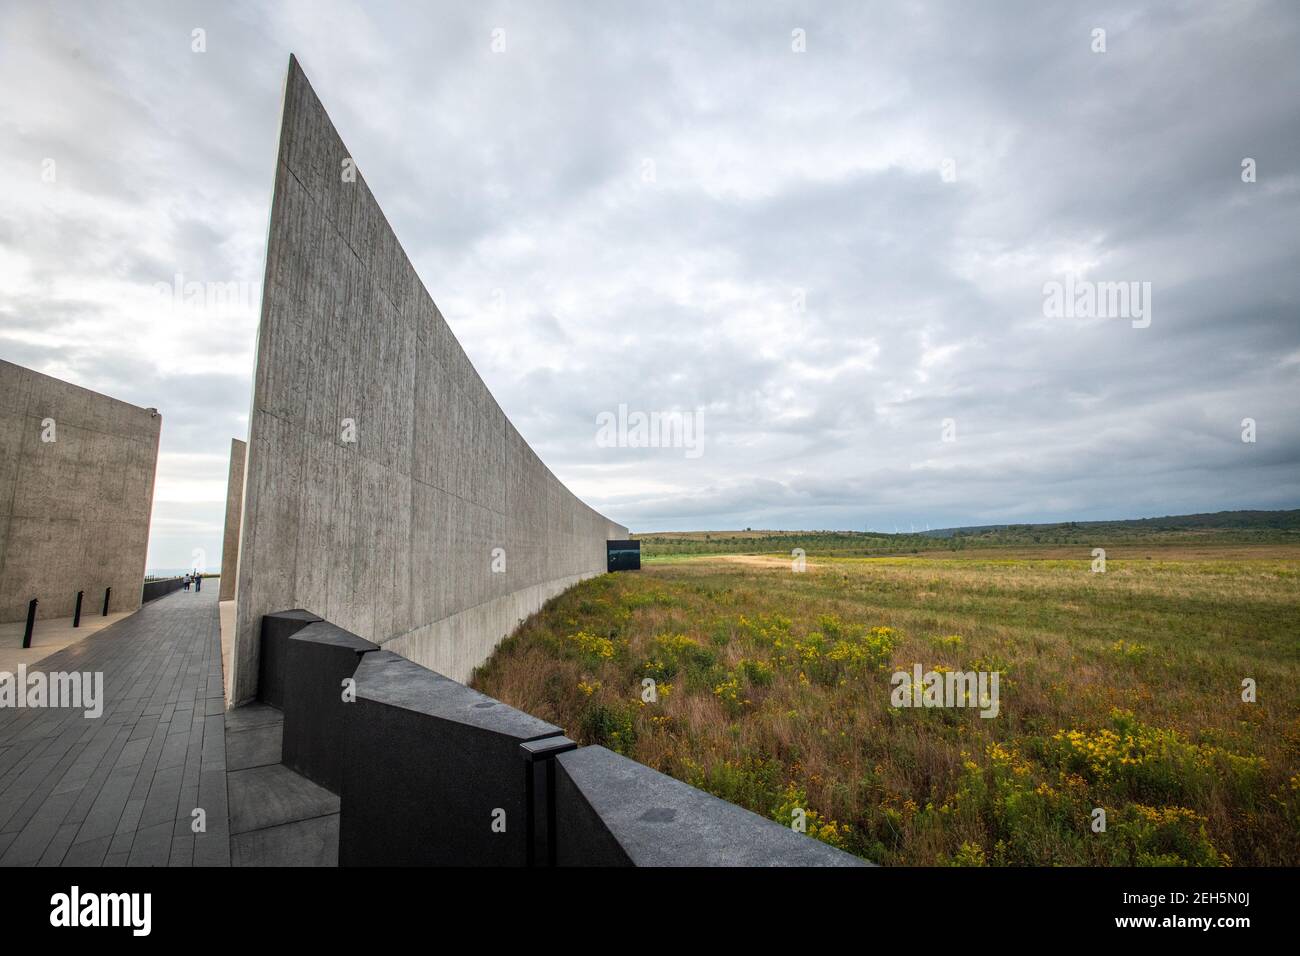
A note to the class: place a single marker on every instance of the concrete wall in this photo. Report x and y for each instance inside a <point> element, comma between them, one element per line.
<point>234,509</point>
<point>389,536</point>
<point>74,512</point>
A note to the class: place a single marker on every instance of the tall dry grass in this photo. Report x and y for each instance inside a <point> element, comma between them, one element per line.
<point>1119,691</point>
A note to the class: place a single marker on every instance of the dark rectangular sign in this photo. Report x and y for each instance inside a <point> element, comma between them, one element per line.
<point>623,555</point>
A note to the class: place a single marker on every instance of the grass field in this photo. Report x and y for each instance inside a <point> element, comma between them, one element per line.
<point>1119,690</point>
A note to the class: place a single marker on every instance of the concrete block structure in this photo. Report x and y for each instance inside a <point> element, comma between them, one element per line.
<point>416,769</point>
<point>234,512</point>
<point>415,741</point>
<point>386,490</point>
<point>76,492</point>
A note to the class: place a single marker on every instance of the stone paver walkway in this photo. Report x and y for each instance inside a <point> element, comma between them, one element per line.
<point>49,636</point>
<point>121,789</point>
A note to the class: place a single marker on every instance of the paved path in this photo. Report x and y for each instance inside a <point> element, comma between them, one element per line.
<point>120,789</point>
<point>48,636</point>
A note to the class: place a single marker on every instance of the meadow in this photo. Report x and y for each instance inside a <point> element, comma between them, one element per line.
<point>1120,691</point>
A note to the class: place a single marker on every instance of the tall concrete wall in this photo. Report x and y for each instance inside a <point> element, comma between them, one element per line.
<point>74,512</point>
<point>234,510</point>
<point>389,531</point>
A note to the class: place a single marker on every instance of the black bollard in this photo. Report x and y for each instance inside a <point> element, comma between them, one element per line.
<point>31,622</point>
<point>76,615</point>
<point>107,592</point>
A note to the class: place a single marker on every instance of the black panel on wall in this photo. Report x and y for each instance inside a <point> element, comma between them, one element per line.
<point>623,555</point>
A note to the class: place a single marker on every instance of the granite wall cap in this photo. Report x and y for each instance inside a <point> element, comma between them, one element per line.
<point>385,678</point>
<point>323,632</point>
<point>276,630</point>
<point>659,821</point>
<point>546,746</point>
<point>296,614</point>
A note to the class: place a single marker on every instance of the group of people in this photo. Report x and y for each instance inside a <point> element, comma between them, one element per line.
<point>193,578</point>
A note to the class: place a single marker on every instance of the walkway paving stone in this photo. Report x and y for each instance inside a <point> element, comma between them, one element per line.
<point>120,789</point>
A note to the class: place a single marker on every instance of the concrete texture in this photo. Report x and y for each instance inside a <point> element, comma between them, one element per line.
<point>390,536</point>
<point>120,789</point>
<point>227,615</point>
<point>74,512</point>
<point>234,509</point>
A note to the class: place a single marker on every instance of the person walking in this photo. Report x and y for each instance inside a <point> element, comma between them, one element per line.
<point>187,582</point>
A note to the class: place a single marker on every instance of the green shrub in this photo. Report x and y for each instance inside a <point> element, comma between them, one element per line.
<point>969,854</point>
<point>1163,836</point>
<point>671,654</point>
<point>610,726</point>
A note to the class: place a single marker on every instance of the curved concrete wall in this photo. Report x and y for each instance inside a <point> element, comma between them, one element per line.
<point>386,529</point>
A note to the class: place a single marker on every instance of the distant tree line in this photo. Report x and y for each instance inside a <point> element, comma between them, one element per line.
<point>1221,528</point>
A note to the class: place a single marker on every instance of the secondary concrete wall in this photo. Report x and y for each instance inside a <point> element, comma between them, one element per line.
<point>390,535</point>
<point>234,509</point>
<point>74,512</point>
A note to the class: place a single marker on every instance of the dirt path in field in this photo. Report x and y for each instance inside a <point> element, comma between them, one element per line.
<point>1120,552</point>
<point>761,560</point>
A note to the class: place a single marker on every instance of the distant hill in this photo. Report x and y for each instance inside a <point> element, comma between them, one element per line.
<point>1216,521</point>
<point>1223,527</point>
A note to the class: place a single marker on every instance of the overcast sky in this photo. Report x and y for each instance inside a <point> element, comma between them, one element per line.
<point>823,254</point>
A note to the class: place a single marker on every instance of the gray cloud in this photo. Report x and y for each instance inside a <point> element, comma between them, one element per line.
<point>519,183</point>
